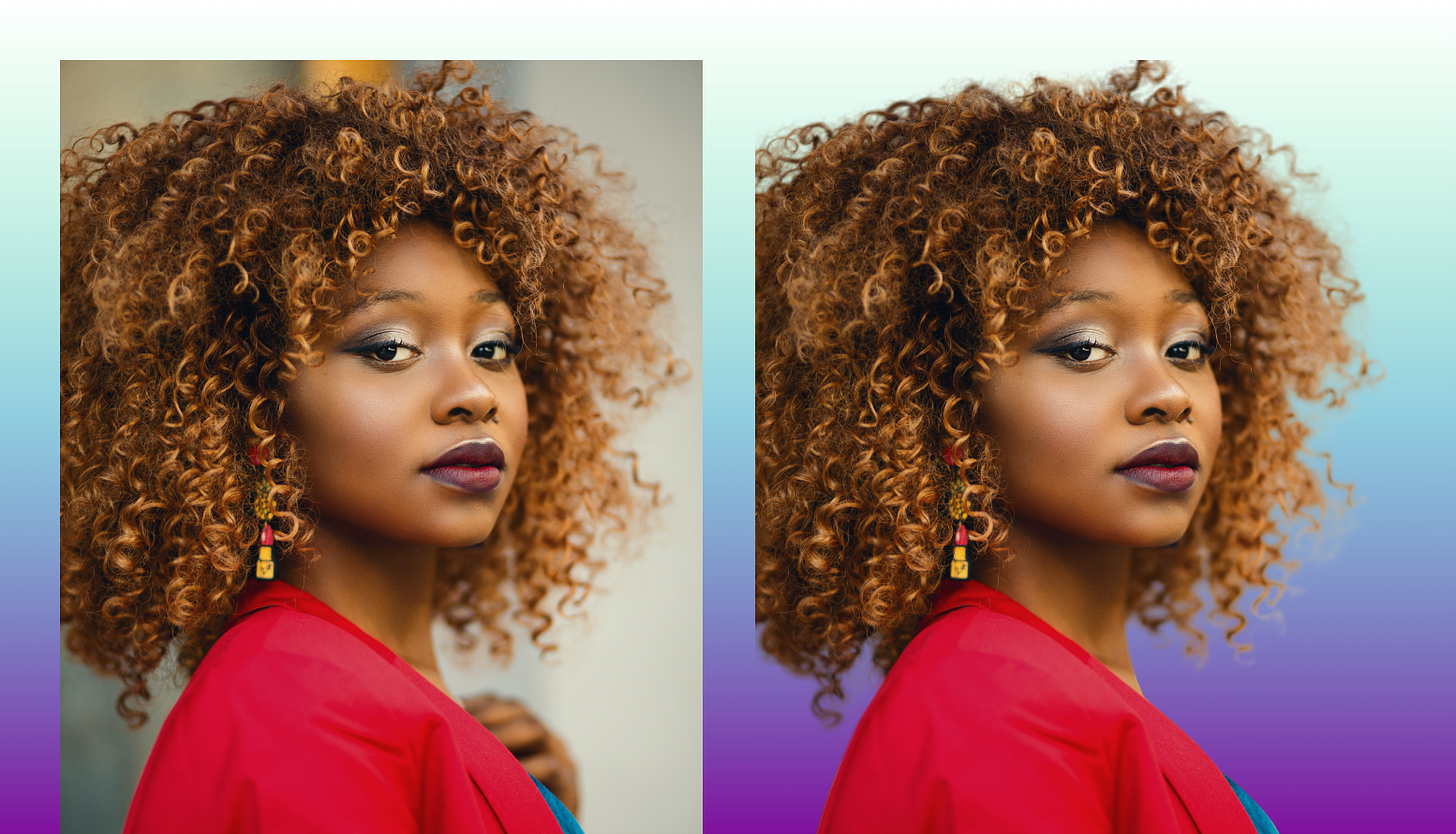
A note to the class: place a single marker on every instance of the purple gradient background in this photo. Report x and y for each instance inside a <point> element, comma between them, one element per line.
<point>1343,718</point>
<point>29,415</point>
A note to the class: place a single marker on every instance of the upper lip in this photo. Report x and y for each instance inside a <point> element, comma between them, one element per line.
<point>471,453</point>
<point>1178,452</point>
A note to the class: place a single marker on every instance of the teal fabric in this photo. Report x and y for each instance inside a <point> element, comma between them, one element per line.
<point>568,823</point>
<point>1262,823</point>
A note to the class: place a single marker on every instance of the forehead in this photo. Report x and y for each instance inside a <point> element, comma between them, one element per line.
<point>422,258</point>
<point>1117,260</point>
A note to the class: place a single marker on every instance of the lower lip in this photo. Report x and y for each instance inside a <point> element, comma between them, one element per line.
<point>1172,479</point>
<point>467,478</point>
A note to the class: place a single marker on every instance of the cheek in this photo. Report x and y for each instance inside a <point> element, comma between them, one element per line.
<point>515,419</point>
<point>1045,432</point>
<point>345,430</point>
<point>1209,408</point>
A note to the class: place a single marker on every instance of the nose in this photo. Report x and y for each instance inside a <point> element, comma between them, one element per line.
<point>463,393</point>
<point>1159,395</point>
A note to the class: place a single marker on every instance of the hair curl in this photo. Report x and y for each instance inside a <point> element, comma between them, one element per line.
<point>897,256</point>
<point>199,257</point>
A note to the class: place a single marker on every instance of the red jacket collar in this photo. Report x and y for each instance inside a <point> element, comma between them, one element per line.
<point>507,787</point>
<point>954,594</point>
<point>258,595</point>
<point>1194,777</point>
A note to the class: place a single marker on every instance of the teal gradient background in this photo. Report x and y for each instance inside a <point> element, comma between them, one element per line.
<point>1340,719</point>
<point>29,411</point>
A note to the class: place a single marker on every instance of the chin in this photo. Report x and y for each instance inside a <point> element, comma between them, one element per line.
<point>1155,533</point>
<point>464,542</point>
<point>1157,538</point>
<point>1154,527</point>
<point>452,536</point>
<point>451,526</point>
<point>470,535</point>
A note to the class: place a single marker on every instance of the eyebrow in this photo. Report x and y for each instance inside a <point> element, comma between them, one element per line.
<point>1174,297</point>
<point>385,296</point>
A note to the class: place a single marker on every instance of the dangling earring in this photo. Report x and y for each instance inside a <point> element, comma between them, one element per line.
<point>959,509</point>
<point>263,509</point>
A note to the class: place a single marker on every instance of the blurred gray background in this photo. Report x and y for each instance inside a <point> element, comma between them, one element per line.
<point>625,690</point>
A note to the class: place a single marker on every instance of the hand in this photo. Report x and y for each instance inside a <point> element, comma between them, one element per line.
<point>542,754</point>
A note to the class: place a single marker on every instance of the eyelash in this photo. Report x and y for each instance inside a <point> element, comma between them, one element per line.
<point>1205,350</point>
<point>512,349</point>
<point>368,352</point>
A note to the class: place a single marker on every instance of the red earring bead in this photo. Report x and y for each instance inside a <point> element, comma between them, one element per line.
<point>265,554</point>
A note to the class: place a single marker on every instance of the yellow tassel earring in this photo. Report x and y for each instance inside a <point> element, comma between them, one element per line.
<point>263,509</point>
<point>960,510</point>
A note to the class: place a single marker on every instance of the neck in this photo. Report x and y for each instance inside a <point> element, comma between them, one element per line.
<point>384,588</point>
<point>1077,587</point>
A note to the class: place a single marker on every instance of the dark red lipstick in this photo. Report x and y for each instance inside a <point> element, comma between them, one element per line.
<point>1170,466</point>
<point>475,466</point>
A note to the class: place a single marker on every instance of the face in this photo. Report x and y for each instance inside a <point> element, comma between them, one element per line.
<point>414,422</point>
<point>1109,421</point>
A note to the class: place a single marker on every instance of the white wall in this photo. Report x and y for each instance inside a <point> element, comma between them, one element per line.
<point>625,690</point>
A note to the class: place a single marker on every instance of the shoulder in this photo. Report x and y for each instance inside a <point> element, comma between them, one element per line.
<point>985,723</point>
<point>295,668</point>
<point>285,700</point>
<point>987,666</point>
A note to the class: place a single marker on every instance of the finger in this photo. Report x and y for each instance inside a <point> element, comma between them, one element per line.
<point>544,767</point>
<point>477,705</point>
<point>490,710</point>
<point>502,714</point>
<point>479,700</point>
<point>521,735</point>
<point>559,777</point>
<point>556,747</point>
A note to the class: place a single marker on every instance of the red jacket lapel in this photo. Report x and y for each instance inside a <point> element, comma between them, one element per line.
<point>508,789</point>
<point>1192,775</point>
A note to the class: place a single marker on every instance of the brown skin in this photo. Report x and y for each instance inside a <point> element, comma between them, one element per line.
<point>407,375</point>
<point>371,417</point>
<point>1067,414</point>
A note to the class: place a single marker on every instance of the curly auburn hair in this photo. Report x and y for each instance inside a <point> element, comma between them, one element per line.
<point>899,254</point>
<point>199,259</point>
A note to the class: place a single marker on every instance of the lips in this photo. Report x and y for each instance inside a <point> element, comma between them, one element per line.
<point>475,466</point>
<point>1170,466</point>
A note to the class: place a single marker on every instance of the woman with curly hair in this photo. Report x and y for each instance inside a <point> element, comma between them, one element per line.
<point>333,367</point>
<point>1025,366</point>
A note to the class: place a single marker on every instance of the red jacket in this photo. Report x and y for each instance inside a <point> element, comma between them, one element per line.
<point>297,721</point>
<point>991,721</point>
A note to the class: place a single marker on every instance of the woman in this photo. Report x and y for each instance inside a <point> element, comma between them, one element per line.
<point>1024,367</point>
<point>271,308</point>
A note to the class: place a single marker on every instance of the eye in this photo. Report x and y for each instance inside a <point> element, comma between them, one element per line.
<point>1195,351</point>
<point>1085,352</point>
<point>392,352</point>
<point>496,351</point>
